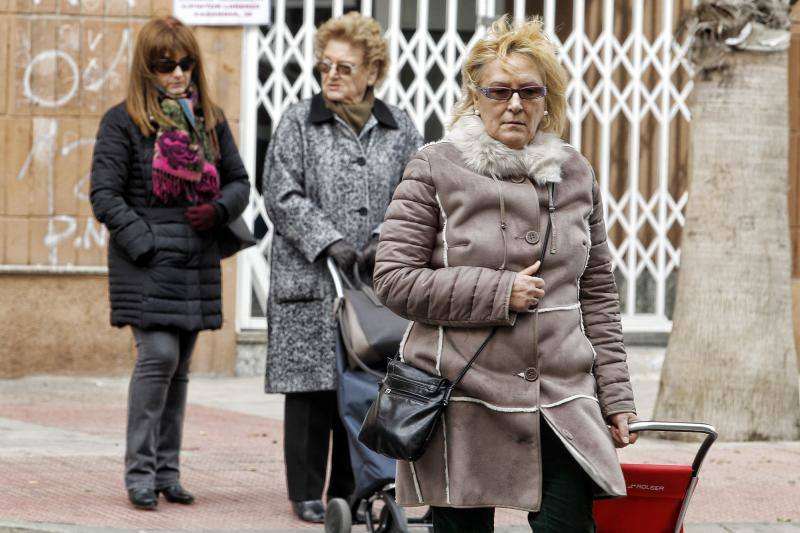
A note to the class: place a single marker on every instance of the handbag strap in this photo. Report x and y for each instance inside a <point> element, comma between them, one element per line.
<point>551,210</point>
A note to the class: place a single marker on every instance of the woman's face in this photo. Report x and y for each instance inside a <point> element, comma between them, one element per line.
<point>513,122</point>
<point>338,86</point>
<point>177,80</point>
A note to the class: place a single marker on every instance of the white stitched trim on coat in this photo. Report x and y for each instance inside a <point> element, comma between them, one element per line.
<point>561,308</point>
<point>416,481</point>
<point>581,460</point>
<point>446,469</point>
<point>569,399</point>
<point>578,284</point>
<point>444,231</point>
<point>494,407</point>
<point>439,347</point>
<point>429,144</point>
<point>404,339</point>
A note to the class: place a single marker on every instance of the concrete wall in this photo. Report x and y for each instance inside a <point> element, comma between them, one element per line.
<point>62,64</point>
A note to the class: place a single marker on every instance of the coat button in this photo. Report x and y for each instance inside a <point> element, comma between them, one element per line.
<point>531,374</point>
<point>363,211</point>
<point>361,161</point>
<point>532,237</point>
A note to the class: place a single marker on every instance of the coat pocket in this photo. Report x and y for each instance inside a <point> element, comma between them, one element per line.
<point>293,278</point>
<point>172,244</point>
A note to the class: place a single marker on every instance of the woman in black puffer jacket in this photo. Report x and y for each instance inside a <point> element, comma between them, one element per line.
<point>166,179</point>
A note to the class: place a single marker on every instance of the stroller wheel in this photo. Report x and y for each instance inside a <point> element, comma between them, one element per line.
<point>392,518</point>
<point>337,516</point>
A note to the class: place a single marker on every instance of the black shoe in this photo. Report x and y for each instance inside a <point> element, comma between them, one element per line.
<point>176,494</point>
<point>310,511</point>
<point>146,499</point>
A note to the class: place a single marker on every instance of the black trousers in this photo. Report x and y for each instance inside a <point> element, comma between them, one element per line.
<point>156,405</point>
<point>311,422</point>
<point>566,498</point>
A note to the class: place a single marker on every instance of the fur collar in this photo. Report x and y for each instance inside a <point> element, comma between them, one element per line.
<point>540,160</point>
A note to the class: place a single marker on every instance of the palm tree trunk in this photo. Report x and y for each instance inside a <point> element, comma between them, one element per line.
<point>731,356</point>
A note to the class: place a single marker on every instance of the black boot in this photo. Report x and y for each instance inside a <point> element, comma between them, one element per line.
<point>310,511</point>
<point>146,499</point>
<point>176,494</point>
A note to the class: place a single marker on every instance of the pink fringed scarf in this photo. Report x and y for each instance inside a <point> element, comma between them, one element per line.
<point>182,171</point>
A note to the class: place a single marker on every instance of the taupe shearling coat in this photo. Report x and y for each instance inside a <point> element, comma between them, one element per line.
<point>468,215</point>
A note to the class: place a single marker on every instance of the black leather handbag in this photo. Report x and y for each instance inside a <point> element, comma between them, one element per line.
<point>403,417</point>
<point>234,237</point>
<point>410,402</point>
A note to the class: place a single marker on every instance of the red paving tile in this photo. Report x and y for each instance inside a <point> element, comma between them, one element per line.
<point>233,462</point>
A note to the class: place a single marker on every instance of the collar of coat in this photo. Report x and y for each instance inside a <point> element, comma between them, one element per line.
<point>541,160</point>
<point>319,113</point>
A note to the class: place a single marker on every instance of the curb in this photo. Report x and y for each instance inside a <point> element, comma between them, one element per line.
<point>34,527</point>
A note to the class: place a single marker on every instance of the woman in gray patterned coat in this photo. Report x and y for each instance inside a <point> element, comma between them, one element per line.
<point>331,168</point>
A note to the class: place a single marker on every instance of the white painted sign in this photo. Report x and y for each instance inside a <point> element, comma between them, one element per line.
<point>222,12</point>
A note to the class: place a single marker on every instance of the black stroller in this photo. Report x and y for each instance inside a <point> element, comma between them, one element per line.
<point>372,502</point>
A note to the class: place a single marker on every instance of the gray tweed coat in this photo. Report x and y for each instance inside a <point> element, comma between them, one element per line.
<point>322,183</point>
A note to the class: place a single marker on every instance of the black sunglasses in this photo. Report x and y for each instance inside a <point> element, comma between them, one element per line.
<point>166,65</point>
<point>529,92</point>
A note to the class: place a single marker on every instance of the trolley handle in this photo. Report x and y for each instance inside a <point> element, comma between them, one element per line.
<point>681,427</point>
<point>336,277</point>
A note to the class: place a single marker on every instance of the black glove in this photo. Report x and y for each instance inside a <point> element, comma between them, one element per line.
<point>144,259</point>
<point>366,257</point>
<point>343,254</point>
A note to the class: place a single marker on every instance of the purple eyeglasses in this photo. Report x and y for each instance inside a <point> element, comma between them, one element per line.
<point>528,92</point>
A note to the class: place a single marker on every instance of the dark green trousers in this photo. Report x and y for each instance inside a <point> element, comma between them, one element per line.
<point>566,498</point>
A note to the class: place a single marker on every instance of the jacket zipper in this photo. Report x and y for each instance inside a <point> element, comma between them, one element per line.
<point>503,224</point>
<point>401,378</point>
<point>551,208</point>
<point>406,394</point>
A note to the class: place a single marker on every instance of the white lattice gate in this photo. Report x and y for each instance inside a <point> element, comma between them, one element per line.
<point>627,113</point>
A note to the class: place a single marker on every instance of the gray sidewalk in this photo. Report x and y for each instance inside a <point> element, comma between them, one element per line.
<point>61,462</point>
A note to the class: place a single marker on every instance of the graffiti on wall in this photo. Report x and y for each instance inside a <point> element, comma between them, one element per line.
<point>46,151</point>
<point>91,78</point>
<point>67,72</point>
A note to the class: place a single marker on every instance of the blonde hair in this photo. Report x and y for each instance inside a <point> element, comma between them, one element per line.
<point>159,38</point>
<point>358,30</point>
<point>528,39</point>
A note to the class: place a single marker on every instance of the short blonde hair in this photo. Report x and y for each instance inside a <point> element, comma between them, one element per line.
<point>528,39</point>
<point>358,30</point>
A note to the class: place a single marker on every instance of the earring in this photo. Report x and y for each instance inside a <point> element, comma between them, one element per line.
<point>477,112</point>
<point>546,113</point>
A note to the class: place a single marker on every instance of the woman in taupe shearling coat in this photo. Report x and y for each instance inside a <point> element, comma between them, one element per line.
<point>535,421</point>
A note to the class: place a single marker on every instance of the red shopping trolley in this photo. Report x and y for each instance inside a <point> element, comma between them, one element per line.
<point>658,495</point>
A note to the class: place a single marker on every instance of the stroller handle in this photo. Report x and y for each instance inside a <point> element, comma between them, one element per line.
<point>681,427</point>
<point>336,277</point>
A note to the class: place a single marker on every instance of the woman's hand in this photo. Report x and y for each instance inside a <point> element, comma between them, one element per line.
<point>619,429</point>
<point>202,217</point>
<point>527,290</point>
<point>343,254</point>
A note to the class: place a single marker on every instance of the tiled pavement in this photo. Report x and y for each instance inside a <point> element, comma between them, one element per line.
<point>61,445</point>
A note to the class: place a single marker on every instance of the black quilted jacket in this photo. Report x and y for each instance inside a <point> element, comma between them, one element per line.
<point>162,274</point>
